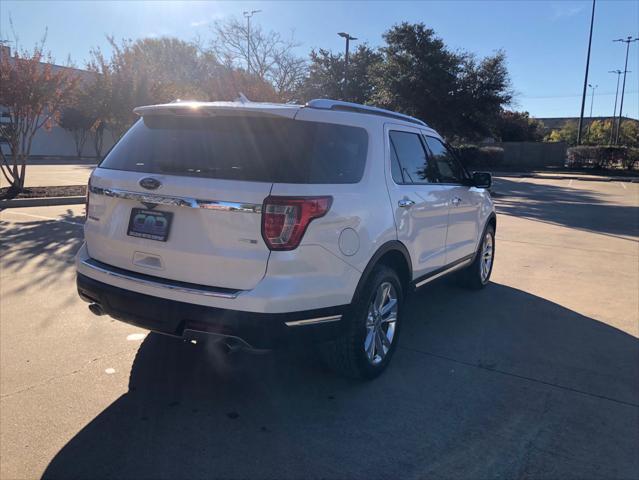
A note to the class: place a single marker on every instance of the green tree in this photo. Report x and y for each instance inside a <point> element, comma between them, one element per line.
<point>326,75</point>
<point>417,75</point>
<point>75,120</point>
<point>567,133</point>
<point>482,92</point>
<point>518,127</point>
<point>453,91</point>
<point>145,72</point>
<point>598,132</point>
<point>629,133</point>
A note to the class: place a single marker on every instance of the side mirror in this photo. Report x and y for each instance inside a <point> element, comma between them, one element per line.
<point>482,179</point>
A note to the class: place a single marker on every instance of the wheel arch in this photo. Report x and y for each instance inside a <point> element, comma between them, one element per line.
<point>490,221</point>
<point>393,254</point>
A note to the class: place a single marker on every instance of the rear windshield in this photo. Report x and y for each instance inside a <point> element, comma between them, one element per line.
<point>242,148</point>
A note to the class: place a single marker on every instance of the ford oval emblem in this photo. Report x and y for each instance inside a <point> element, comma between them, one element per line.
<point>150,183</point>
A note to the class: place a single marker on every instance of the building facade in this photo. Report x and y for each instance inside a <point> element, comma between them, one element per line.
<point>52,140</point>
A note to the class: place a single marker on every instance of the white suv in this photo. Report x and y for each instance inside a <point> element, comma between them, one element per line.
<point>264,224</point>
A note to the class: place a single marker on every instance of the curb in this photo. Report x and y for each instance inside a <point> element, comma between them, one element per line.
<point>41,201</point>
<point>568,177</point>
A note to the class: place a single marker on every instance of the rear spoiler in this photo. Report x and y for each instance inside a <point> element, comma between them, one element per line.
<point>212,109</point>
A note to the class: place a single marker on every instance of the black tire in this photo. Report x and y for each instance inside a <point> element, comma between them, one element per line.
<point>471,277</point>
<point>346,355</point>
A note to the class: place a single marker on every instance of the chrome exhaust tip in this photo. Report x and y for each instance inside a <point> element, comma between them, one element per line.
<point>233,345</point>
<point>96,309</point>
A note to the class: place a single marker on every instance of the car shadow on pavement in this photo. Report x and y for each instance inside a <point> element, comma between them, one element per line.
<point>496,383</point>
<point>570,207</point>
<point>52,242</point>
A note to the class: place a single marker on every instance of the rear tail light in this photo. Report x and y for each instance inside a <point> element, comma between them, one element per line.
<point>285,219</point>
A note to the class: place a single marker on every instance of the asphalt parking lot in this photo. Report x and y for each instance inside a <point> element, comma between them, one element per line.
<point>535,376</point>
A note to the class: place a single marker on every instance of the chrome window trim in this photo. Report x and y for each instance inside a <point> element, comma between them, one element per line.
<point>177,201</point>
<point>151,283</point>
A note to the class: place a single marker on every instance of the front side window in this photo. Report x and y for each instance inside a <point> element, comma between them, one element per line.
<point>449,170</point>
<point>411,158</point>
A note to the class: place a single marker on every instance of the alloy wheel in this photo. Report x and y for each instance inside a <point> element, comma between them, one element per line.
<point>381,323</point>
<point>486,260</point>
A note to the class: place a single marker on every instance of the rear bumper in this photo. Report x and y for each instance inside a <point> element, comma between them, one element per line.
<point>258,330</point>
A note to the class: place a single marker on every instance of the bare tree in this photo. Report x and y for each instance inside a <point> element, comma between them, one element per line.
<point>289,75</point>
<point>272,57</point>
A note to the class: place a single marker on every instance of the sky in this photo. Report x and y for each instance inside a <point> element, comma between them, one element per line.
<point>545,41</point>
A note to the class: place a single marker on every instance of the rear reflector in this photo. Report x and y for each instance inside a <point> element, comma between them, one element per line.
<point>285,219</point>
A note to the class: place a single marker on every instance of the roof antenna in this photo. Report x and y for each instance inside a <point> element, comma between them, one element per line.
<point>242,98</point>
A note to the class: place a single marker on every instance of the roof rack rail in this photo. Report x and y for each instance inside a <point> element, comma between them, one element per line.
<point>328,104</point>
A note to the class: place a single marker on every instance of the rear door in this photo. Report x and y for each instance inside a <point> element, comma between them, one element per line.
<point>420,205</point>
<point>465,201</point>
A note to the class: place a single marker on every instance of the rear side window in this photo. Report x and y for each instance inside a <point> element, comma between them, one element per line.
<point>242,148</point>
<point>409,150</point>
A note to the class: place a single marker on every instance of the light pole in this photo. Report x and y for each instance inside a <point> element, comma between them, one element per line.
<point>583,96</point>
<point>628,40</point>
<point>592,101</point>
<point>348,38</point>
<point>614,110</point>
<point>248,15</point>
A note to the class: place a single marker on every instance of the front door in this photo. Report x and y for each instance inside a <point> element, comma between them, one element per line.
<point>465,201</point>
<point>420,205</point>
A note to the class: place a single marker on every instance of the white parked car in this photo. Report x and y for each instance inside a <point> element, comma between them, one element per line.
<point>262,224</point>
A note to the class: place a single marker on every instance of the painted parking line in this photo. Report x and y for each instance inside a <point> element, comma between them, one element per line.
<point>623,185</point>
<point>570,182</point>
<point>40,217</point>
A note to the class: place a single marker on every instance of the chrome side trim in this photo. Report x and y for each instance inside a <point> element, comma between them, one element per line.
<point>313,321</point>
<point>189,202</point>
<point>448,270</point>
<point>144,281</point>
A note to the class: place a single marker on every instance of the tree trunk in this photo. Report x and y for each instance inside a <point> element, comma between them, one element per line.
<point>98,141</point>
<point>23,168</point>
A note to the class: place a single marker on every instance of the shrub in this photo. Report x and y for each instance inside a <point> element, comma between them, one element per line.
<point>631,161</point>
<point>603,157</point>
<point>475,157</point>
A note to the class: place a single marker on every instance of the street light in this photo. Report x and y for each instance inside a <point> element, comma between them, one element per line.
<point>592,101</point>
<point>248,15</point>
<point>614,110</point>
<point>583,96</point>
<point>628,40</point>
<point>348,38</point>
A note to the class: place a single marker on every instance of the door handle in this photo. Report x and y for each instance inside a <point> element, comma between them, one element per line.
<point>406,203</point>
<point>456,201</point>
